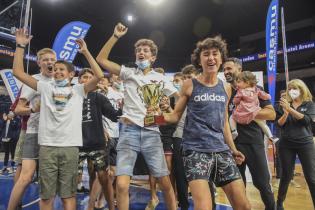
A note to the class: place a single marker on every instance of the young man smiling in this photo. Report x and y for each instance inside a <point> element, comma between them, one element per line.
<point>134,136</point>
<point>60,123</point>
<point>208,147</point>
<point>28,104</point>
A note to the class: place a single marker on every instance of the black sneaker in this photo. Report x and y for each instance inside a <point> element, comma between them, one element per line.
<point>83,190</point>
<point>4,170</point>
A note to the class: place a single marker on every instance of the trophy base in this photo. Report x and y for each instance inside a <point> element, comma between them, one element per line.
<point>154,120</point>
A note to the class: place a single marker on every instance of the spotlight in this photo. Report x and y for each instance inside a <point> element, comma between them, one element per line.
<point>130,18</point>
<point>154,2</point>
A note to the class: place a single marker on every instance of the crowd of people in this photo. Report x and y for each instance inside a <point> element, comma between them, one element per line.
<point>195,132</point>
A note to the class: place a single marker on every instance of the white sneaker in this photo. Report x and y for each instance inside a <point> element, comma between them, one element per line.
<point>274,139</point>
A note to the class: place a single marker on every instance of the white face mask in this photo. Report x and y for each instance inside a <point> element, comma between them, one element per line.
<point>294,93</point>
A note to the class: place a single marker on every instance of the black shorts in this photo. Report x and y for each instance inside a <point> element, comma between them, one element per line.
<point>167,142</point>
<point>218,167</point>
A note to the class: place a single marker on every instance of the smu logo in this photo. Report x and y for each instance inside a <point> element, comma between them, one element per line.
<point>64,45</point>
<point>209,97</point>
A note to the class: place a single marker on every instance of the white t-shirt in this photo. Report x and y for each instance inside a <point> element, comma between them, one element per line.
<point>60,122</point>
<point>33,97</point>
<point>134,108</point>
<point>115,97</point>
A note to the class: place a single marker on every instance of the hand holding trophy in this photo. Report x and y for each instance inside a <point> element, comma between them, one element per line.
<point>151,95</point>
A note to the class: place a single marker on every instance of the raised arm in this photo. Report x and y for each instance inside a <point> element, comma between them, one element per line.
<point>91,85</point>
<point>22,39</point>
<point>102,57</point>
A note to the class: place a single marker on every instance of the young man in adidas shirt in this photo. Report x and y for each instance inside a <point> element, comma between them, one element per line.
<point>134,137</point>
<point>208,147</point>
<point>28,104</point>
<point>60,123</point>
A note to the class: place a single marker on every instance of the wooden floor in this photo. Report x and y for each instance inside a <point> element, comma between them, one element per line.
<point>297,198</point>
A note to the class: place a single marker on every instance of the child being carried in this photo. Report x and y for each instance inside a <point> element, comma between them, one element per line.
<point>246,103</point>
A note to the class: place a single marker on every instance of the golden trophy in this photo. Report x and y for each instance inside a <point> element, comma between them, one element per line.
<point>151,95</point>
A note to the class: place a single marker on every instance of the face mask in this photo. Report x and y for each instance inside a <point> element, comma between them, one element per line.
<point>119,86</point>
<point>62,83</point>
<point>143,64</point>
<point>294,93</point>
<point>177,86</point>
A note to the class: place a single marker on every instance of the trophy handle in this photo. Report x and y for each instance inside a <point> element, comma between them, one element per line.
<point>140,93</point>
<point>161,84</point>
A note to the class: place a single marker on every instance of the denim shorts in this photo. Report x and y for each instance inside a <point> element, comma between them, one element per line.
<point>134,139</point>
<point>218,167</point>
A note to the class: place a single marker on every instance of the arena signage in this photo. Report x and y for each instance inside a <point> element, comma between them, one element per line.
<point>64,44</point>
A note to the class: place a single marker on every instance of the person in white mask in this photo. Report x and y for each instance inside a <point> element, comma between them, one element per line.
<point>296,120</point>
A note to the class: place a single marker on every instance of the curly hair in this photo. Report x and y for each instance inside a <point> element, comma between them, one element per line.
<point>148,42</point>
<point>211,42</point>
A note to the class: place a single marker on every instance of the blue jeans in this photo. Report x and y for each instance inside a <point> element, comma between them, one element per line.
<point>134,139</point>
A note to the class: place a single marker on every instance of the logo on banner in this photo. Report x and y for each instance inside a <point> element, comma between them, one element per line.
<point>11,83</point>
<point>272,46</point>
<point>64,44</point>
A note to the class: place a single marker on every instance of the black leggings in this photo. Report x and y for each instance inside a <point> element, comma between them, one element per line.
<point>9,148</point>
<point>307,158</point>
<point>255,159</point>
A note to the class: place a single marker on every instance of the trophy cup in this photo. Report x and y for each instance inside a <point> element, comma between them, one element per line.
<point>151,95</point>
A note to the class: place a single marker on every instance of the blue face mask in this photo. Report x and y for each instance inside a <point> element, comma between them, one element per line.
<point>119,86</point>
<point>177,86</point>
<point>143,64</point>
<point>62,83</point>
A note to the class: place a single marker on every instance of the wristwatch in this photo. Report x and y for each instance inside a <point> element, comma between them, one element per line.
<point>21,46</point>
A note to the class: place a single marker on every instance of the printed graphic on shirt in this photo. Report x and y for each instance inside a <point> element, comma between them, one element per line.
<point>61,97</point>
<point>86,116</point>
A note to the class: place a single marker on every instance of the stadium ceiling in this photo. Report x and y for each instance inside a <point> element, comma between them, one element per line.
<point>176,25</point>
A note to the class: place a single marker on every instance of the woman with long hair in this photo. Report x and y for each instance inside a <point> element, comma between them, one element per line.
<point>296,121</point>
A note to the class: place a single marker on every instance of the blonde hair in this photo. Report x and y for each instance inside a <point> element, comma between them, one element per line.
<point>299,84</point>
<point>45,51</point>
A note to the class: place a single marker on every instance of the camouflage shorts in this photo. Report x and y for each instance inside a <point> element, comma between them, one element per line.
<point>97,158</point>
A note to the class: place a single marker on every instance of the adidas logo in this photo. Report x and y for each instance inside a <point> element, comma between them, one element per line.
<point>209,97</point>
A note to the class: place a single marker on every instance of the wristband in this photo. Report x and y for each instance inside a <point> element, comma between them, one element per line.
<point>117,37</point>
<point>21,46</point>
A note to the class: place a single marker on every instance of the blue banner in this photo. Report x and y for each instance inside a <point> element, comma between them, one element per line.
<point>64,43</point>
<point>11,83</point>
<point>272,47</point>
